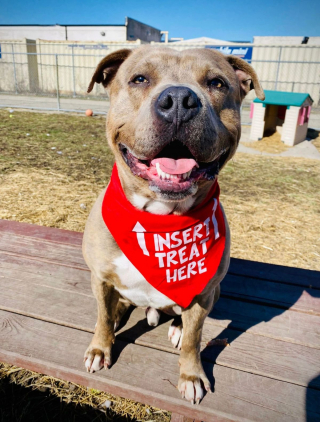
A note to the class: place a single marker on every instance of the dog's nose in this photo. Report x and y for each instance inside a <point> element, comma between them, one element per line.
<point>177,104</point>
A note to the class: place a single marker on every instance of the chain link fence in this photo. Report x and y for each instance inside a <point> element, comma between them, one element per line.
<point>51,76</point>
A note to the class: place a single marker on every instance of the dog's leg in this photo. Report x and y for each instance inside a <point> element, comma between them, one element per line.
<point>98,354</point>
<point>122,308</point>
<point>175,333</point>
<point>193,379</point>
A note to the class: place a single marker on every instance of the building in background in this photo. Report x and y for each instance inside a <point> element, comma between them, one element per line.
<point>132,30</point>
<point>272,40</point>
<point>41,66</point>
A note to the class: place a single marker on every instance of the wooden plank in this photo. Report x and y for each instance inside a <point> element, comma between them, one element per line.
<point>267,357</point>
<point>289,326</point>
<point>57,351</point>
<point>36,271</point>
<point>48,251</point>
<point>288,275</point>
<point>268,321</point>
<point>175,417</point>
<point>261,291</point>
<point>268,292</point>
<point>251,353</point>
<point>57,308</point>
<point>52,304</point>
<point>247,352</point>
<point>41,232</point>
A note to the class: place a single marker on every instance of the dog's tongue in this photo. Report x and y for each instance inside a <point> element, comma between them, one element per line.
<point>171,166</point>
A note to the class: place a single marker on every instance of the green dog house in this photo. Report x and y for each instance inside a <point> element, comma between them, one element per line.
<point>285,112</point>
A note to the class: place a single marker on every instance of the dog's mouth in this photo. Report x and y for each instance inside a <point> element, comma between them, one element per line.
<point>174,169</point>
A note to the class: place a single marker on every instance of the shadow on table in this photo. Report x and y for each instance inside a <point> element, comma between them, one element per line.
<point>312,400</point>
<point>258,313</point>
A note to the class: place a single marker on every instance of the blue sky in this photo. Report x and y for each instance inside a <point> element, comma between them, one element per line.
<point>225,19</point>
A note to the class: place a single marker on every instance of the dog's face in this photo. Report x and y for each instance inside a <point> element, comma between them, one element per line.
<point>174,117</point>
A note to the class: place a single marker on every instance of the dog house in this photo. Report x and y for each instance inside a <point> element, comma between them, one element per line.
<point>285,112</point>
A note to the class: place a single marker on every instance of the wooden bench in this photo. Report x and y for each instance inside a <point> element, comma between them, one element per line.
<point>270,314</point>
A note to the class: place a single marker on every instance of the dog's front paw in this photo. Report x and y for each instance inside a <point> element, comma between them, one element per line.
<point>97,357</point>
<point>193,387</point>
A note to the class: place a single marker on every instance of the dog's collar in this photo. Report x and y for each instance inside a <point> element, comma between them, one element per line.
<point>177,254</point>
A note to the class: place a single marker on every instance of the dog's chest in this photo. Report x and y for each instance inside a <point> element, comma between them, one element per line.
<point>136,288</point>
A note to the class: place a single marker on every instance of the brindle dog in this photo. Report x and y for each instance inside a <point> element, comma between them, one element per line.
<point>163,103</point>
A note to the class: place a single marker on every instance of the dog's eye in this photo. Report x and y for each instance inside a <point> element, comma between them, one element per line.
<point>216,83</point>
<point>139,79</point>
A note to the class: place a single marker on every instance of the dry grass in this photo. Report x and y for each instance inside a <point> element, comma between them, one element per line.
<point>46,198</point>
<point>86,403</point>
<point>271,144</point>
<point>272,203</point>
<point>316,143</point>
<point>273,208</point>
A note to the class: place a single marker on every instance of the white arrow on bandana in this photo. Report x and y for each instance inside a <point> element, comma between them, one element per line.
<point>214,220</point>
<point>140,237</point>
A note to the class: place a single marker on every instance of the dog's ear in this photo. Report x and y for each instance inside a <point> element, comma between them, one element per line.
<point>108,67</point>
<point>247,77</point>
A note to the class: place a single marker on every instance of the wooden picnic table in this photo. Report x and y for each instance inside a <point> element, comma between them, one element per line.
<point>270,315</point>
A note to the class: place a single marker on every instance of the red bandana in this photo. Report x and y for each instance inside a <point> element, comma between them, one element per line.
<point>176,254</point>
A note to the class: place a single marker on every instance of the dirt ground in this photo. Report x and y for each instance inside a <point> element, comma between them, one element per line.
<point>52,168</point>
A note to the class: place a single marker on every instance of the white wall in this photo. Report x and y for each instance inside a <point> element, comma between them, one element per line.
<point>32,32</point>
<point>284,40</point>
<point>8,71</point>
<point>61,33</point>
<point>93,33</point>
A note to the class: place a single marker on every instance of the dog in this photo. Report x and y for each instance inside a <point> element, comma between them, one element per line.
<point>173,124</point>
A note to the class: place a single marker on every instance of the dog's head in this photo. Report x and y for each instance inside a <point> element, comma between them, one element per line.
<point>174,117</point>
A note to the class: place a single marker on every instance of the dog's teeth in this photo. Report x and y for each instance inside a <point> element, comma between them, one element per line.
<point>158,169</point>
<point>161,173</point>
<point>186,175</point>
<point>167,176</point>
